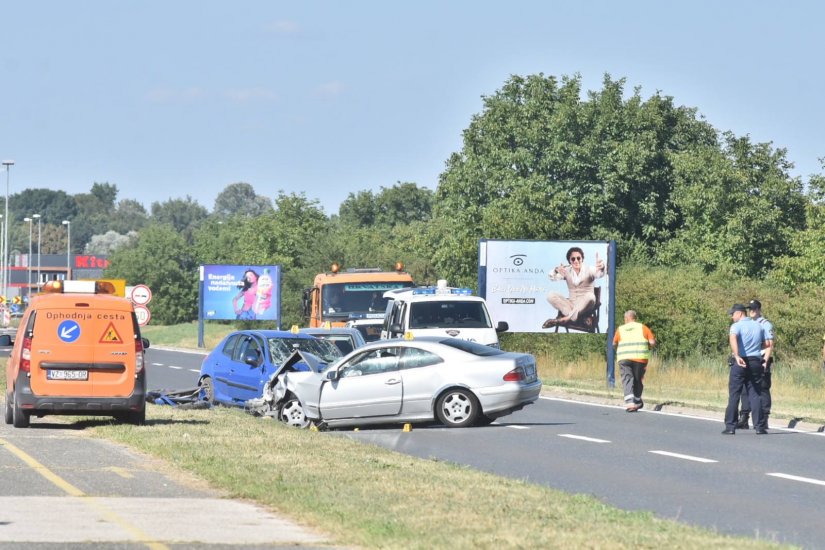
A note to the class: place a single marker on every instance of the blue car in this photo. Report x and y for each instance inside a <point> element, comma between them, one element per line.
<point>238,369</point>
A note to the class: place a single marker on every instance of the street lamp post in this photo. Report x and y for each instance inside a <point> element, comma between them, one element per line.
<point>68,225</point>
<point>29,259</point>
<point>37,217</point>
<point>8,164</point>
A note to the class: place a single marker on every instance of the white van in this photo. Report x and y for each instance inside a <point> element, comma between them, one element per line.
<point>440,311</point>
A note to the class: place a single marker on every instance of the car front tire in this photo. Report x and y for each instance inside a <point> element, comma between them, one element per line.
<point>457,408</point>
<point>292,413</point>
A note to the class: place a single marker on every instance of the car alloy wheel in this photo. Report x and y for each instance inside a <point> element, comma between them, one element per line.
<point>292,414</point>
<point>457,408</point>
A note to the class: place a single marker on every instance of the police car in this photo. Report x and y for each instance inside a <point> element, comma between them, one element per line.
<point>440,311</point>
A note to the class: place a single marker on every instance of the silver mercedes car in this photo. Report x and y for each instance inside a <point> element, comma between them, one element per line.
<point>456,382</point>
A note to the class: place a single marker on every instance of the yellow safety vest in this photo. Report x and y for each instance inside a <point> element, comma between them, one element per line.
<point>632,343</point>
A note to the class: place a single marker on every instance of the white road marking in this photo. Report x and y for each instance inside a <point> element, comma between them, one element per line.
<point>517,427</point>
<point>174,367</point>
<point>684,457</point>
<point>194,370</point>
<point>581,437</point>
<point>158,364</point>
<point>798,478</point>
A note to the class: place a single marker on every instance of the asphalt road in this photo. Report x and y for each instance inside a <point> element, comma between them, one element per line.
<point>672,464</point>
<point>679,467</point>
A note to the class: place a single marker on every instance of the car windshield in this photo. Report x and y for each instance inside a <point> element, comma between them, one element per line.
<point>472,347</point>
<point>344,299</point>
<point>371,333</point>
<point>282,348</point>
<point>449,314</point>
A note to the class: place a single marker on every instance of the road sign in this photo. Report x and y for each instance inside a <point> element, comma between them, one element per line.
<point>143,315</point>
<point>68,331</point>
<point>141,295</point>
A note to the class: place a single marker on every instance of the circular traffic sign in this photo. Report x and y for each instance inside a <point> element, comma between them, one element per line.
<point>141,295</point>
<point>143,315</point>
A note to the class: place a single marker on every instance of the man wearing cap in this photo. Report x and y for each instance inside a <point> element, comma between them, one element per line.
<point>755,313</point>
<point>746,339</point>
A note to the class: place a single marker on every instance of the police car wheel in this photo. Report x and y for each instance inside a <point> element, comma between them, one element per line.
<point>457,408</point>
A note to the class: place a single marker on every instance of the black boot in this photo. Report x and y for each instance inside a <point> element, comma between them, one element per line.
<point>743,421</point>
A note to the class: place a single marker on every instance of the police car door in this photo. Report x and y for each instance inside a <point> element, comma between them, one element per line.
<point>368,385</point>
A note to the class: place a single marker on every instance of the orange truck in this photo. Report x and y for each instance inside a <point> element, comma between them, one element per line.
<point>337,297</point>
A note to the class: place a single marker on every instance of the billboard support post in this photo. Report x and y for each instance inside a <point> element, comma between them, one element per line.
<point>611,315</point>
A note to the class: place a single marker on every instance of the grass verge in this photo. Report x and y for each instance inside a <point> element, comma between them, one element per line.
<point>366,496</point>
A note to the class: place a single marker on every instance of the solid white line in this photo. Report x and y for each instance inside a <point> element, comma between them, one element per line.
<point>797,478</point>
<point>685,457</point>
<point>581,437</point>
<point>174,367</point>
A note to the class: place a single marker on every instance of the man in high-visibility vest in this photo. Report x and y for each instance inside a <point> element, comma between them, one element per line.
<point>633,342</point>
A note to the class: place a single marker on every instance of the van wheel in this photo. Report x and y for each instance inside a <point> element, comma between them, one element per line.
<point>20,418</point>
<point>9,410</point>
<point>207,390</point>
<point>457,408</point>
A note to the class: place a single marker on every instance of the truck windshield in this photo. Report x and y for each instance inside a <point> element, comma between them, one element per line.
<point>342,300</point>
<point>449,314</point>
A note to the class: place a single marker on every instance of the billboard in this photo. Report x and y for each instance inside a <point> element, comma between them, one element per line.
<point>547,286</point>
<point>245,292</point>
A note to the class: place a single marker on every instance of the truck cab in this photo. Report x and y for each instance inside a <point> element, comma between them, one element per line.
<point>440,311</point>
<point>337,297</point>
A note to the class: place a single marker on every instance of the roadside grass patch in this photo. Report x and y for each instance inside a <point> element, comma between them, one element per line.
<point>367,496</point>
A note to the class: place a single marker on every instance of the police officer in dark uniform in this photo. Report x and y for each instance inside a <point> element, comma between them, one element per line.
<point>755,313</point>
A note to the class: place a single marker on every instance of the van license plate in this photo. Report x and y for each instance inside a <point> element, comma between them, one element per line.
<point>67,375</point>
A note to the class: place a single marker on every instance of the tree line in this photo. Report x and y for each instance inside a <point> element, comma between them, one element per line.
<point>543,160</point>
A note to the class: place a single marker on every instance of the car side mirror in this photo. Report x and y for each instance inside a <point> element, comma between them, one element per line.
<point>251,358</point>
<point>332,374</point>
<point>395,328</point>
<point>145,342</point>
<point>502,326</point>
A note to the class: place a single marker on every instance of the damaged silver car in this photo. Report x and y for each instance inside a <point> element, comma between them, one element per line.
<point>455,382</point>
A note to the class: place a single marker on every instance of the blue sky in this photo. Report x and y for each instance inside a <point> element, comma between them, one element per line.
<point>173,98</point>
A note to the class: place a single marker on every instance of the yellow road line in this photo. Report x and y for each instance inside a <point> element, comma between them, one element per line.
<point>122,472</point>
<point>75,492</point>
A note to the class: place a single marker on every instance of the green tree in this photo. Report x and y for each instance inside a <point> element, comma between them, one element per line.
<point>240,199</point>
<point>160,258</point>
<point>400,204</point>
<point>185,215</point>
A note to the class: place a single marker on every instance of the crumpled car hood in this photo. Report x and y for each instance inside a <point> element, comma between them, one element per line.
<point>302,365</point>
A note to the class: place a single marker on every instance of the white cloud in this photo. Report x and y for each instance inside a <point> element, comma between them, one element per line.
<point>330,89</point>
<point>243,95</point>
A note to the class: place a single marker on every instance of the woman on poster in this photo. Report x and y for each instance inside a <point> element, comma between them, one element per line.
<point>580,279</point>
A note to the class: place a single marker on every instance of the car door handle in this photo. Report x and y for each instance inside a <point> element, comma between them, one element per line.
<point>392,381</point>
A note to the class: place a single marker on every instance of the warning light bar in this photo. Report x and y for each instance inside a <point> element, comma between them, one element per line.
<point>78,287</point>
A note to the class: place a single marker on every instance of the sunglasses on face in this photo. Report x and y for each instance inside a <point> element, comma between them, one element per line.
<point>576,258</point>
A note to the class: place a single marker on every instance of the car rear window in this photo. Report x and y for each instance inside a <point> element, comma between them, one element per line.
<point>472,347</point>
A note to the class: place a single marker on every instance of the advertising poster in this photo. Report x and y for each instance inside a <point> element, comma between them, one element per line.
<point>546,286</point>
<point>243,292</point>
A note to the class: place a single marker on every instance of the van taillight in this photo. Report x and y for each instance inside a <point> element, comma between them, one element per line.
<point>26,355</point>
<point>138,356</point>
<point>515,375</point>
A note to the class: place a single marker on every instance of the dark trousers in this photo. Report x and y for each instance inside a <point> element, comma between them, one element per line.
<point>766,400</point>
<point>745,379</point>
<point>632,373</point>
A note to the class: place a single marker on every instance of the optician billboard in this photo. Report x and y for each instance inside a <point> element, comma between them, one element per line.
<point>244,292</point>
<point>547,286</point>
